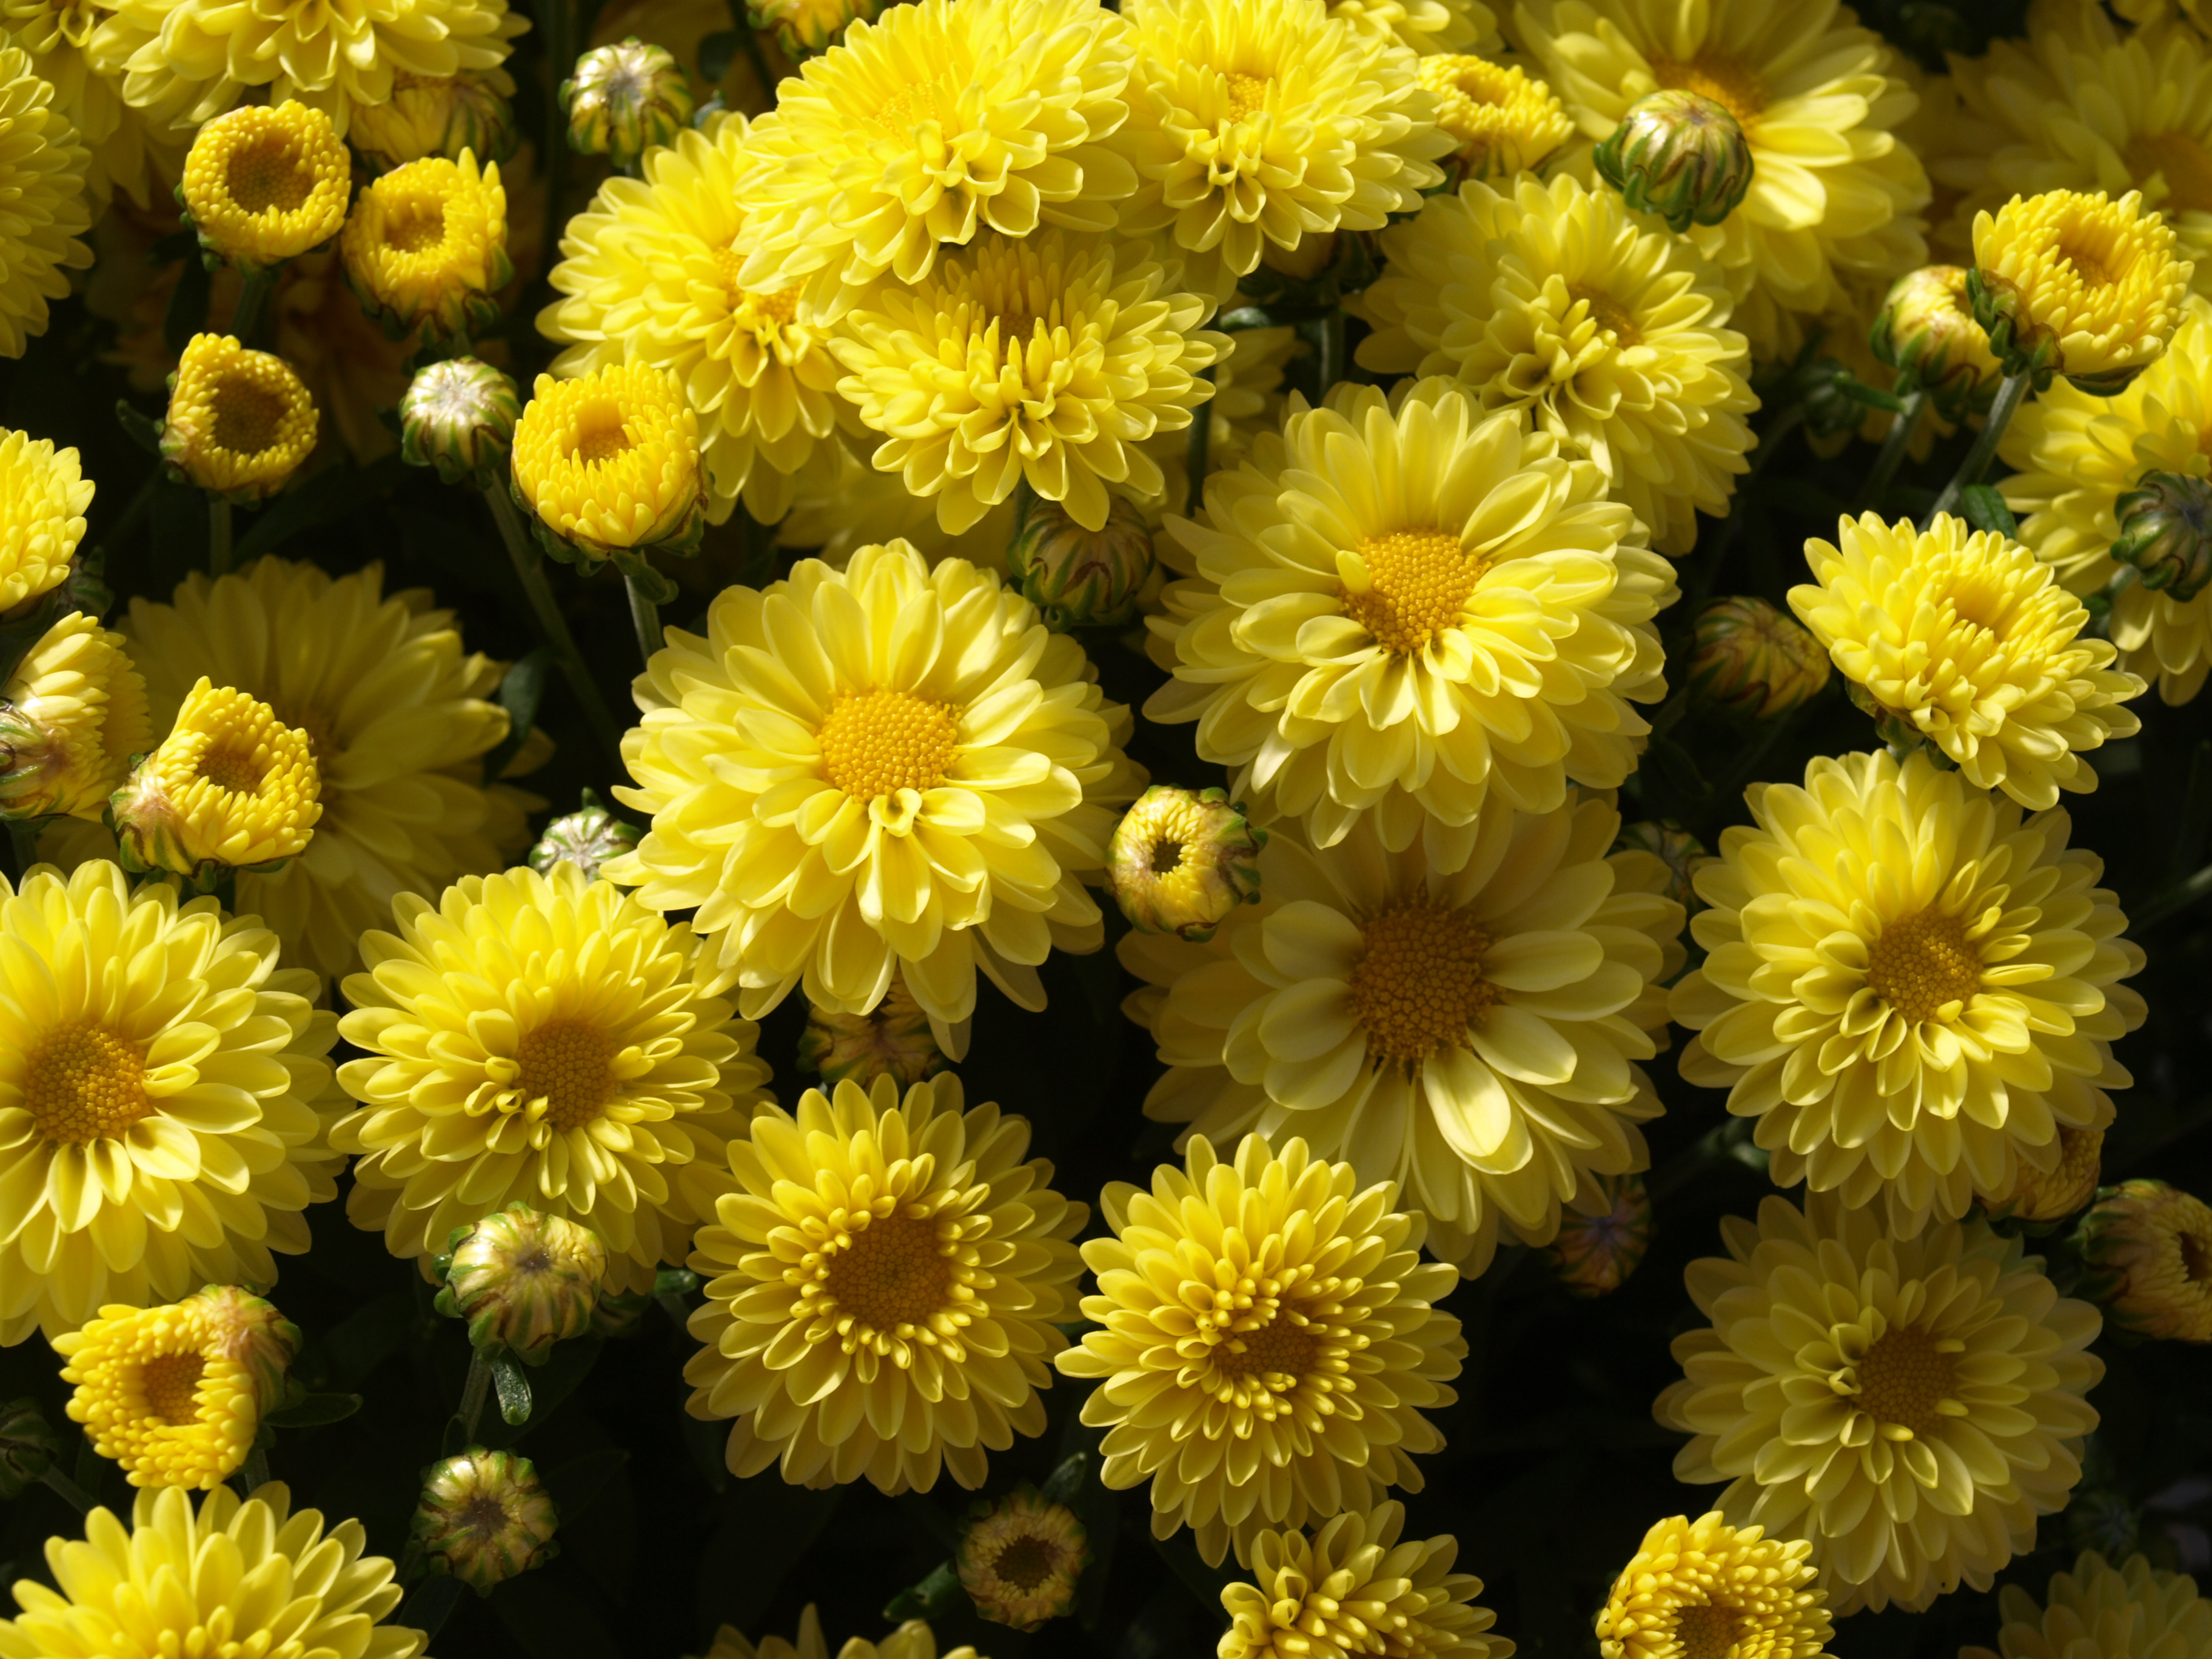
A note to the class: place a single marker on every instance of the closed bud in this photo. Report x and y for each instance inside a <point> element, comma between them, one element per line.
<point>623,100</point>
<point>1753,661</point>
<point>459,416</point>
<point>1183,860</point>
<point>2103,1520</point>
<point>2147,1248</point>
<point>586,838</point>
<point>29,1446</point>
<point>485,1517</point>
<point>1021,1559</point>
<point>803,27</point>
<point>1681,853</point>
<point>2165,533</point>
<point>1080,578</point>
<point>434,115</point>
<point>1926,332</point>
<point>1822,387</point>
<point>523,1280</point>
<point>1679,154</point>
<point>893,1039</point>
<point>2047,1195</point>
<point>1596,1250</point>
<point>231,787</point>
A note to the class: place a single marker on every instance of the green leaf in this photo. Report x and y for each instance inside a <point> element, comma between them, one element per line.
<point>140,428</point>
<point>1986,509</point>
<point>513,1385</point>
<point>520,691</point>
<point>933,1597</point>
<point>767,1528</point>
<point>314,1410</point>
<point>551,1385</point>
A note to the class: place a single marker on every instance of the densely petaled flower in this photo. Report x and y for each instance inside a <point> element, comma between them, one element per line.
<point>42,180</point>
<point>1266,1342</point>
<point>2148,1249</point>
<point>251,1576</point>
<point>1021,1559</point>
<point>2077,285</point>
<point>1256,124</point>
<point>929,125</point>
<point>1401,609</point>
<point>398,717</point>
<point>1468,1027</point>
<point>1834,196</point>
<point>71,718</point>
<point>541,1038</point>
<point>1702,1587</point>
<point>239,423</point>
<point>437,115</point>
<point>1909,984</point>
<point>265,185</point>
<point>1908,1403</point>
<point>2098,1611</point>
<point>43,498</point>
<point>609,462</point>
<point>1500,122</point>
<point>1427,26</point>
<point>122,149</point>
<point>911,1640</point>
<point>883,1288</point>
<point>1962,636</point>
<point>164,1101</point>
<point>427,246</point>
<point>883,769</point>
<point>1613,335</point>
<point>231,785</point>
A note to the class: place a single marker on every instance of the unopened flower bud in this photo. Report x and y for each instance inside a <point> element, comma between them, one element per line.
<point>522,1279</point>
<point>2148,1249</point>
<point>624,100</point>
<point>1080,578</point>
<point>803,27</point>
<point>266,183</point>
<point>617,1312</point>
<point>71,720</point>
<point>2046,1195</point>
<point>586,838</point>
<point>1681,853</point>
<point>238,424</point>
<point>892,1040</point>
<point>459,416</point>
<point>1183,860</point>
<point>1596,1250</point>
<point>485,1517</point>
<point>434,115</point>
<point>2104,1521</point>
<point>29,1446</point>
<point>1822,387</point>
<point>1926,332</point>
<point>1679,154</point>
<point>232,786</point>
<point>1021,1559</point>
<point>1751,660</point>
<point>2165,533</point>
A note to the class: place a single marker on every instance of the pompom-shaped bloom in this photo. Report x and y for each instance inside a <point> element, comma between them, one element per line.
<point>252,1576</point>
<point>426,247</point>
<point>265,184</point>
<point>1553,298</point>
<point>929,125</point>
<point>176,1394</point>
<point>485,1517</point>
<point>609,462</point>
<point>1046,361</point>
<point>1022,1558</point>
<point>459,414</point>
<point>1907,1403</point>
<point>43,498</point>
<point>239,423</point>
<point>1468,1028</point>
<point>2098,1611</point>
<point>70,720</point>
<point>1909,984</point>
<point>882,1289</point>
<point>523,1281</point>
<point>912,1640</point>
<point>164,1101</point>
<point>1703,1587</point>
<point>624,100</point>
<point>231,786</point>
<point>42,179</point>
<point>1401,609</point>
<point>1500,122</point>
<point>1266,1342</point>
<point>2148,1249</point>
<point>1183,860</point>
<point>1353,1589</point>
<point>1961,637</point>
<point>1256,124</point>
<point>437,115</point>
<point>541,1038</point>
<point>885,769</point>
<point>893,1040</point>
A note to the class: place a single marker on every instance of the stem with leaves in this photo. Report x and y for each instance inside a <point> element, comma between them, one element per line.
<point>2010,395</point>
<point>530,571</point>
<point>222,550</point>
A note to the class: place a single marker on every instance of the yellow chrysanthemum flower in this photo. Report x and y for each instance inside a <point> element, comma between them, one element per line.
<point>1468,1027</point>
<point>1354,1588</point>
<point>1704,1587</point>
<point>2147,1245</point>
<point>932,123</point>
<point>2075,455</point>
<point>1256,124</point>
<point>882,1289</point>
<point>42,179</point>
<point>427,246</point>
<point>611,461</point>
<point>123,151</point>
<point>250,1575</point>
<point>71,718</point>
<point>265,185</point>
<point>163,1085</point>
<point>1553,298</point>
<point>1963,638</point>
<point>231,785</point>
<point>1428,27</point>
<point>2098,1611</point>
<point>437,115</point>
<point>1401,609</point>
<point>239,423</point>
<point>397,717</point>
<point>1047,361</point>
<point>1266,1343</point>
<point>540,1039</point>
<point>176,1394</point>
<point>1834,196</point>
<point>1500,122</point>
<point>842,797</point>
<point>648,276</point>
<point>43,498</point>
<point>912,1640</point>
<point>1910,985</point>
<point>1909,1403</point>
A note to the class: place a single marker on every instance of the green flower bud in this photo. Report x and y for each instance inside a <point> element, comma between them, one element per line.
<point>1595,1252</point>
<point>618,1312</point>
<point>803,27</point>
<point>1080,578</point>
<point>484,1518</point>
<point>1751,660</point>
<point>1181,860</point>
<point>29,1446</point>
<point>2103,1520</point>
<point>1021,1559</point>
<point>2166,532</point>
<point>586,838</point>
<point>892,1040</point>
<point>624,100</point>
<point>1822,387</point>
<point>522,1279</point>
<point>1926,332</point>
<point>1682,853</point>
<point>2147,1248</point>
<point>1679,154</point>
<point>459,416</point>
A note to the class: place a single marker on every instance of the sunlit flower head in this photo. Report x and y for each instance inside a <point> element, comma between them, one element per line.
<point>1358,1587</point>
<point>43,498</point>
<point>426,247</point>
<point>42,179</point>
<point>609,462</point>
<point>1704,1587</point>
<point>239,423</point>
<point>71,718</point>
<point>123,151</point>
<point>263,185</point>
<point>231,786</point>
<point>2099,1611</point>
<point>1501,123</point>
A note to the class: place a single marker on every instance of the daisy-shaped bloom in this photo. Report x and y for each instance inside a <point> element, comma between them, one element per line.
<point>1704,1587</point>
<point>426,246</point>
<point>1963,638</point>
<point>1469,1028</point>
<point>1353,1584</point>
<point>882,1289</point>
<point>42,174</point>
<point>1048,360</point>
<point>1427,26</point>
<point>122,150</point>
<point>885,768</point>
<point>1266,1342</point>
<point>540,1039</point>
<point>239,423</point>
<point>43,498</point>
<point>263,185</point>
<point>934,122</point>
<point>397,716</point>
<point>164,1101</point>
<point>2098,1611</point>
<point>71,718</point>
<point>1614,335</point>
<point>1834,196</point>
<point>1911,986</point>
<point>1500,122</point>
<point>1402,608</point>
<point>1256,124</point>
<point>1907,1402</point>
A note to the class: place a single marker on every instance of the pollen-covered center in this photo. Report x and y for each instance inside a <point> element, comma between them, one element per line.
<point>266,175</point>
<point>1729,82</point>
<point>1028,1562</point>
<point>877,743</point>
<point>749,307</point>
<point>1609,314</point>
<point>2181,161</point>
<point>1418,583</point>
<point>2090,247</point>
<point>172,1381</point>
<point>890,1273</point>
<point>1708,1631</point>
<point>567,1063</point>
<point>248,416</point>
<point>1278,1348</point>
<point>234,764</point>
<point>1418,984</point>
<point>1904,1376</point>
<point>599,434</point>
<point>1923,964</point>
<point>83,1083</point>
<point>1247,93</point>
<point>912,104</point>
<point>415,225</point>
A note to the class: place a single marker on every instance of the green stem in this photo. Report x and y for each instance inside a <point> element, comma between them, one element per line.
<point>2010,396</point>
<point>254,288</point>
<point>253,1473</point>
<point>644,617</point>
<point>81,1500</point>
<point>474,1393</point>
<point>755,56</point>
<point>221,550</point>
<point>1894,446</point>
<point>2175,899</point>
<point>1329,338</point>
<point>140,505</point>
<point>23,844</point>
<point>530,571</point>
<point>1195,451</point>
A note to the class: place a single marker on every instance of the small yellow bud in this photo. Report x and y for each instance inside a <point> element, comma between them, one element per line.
<point>239,422</point>
<point>1501,120</point>
<point>609,462</point>
<point>1021,1559</point>
<point>264,184</point>
<point>1926,332</point>
<point>231,786</point>
<point>1181,860</point>
<point>426,248</point>
<point>71,718</point>
<point>434,115</point>
<point>1752,659</point>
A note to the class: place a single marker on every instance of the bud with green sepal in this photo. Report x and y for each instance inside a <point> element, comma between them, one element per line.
<point>1181,860</point>
<point>1080,578</point>
<point>1679,154</point>
<point>485,1517</point>
<point>624,100</point>
<point>1749,659</point>
<point>1598,1248</point>
<point>2146,1249</point>
<point>1926,332</point>
<point>894,1039</point>
<point>459,416</point>
<point>1022,1558</point>
<point>522,1279</point>
<point>2165,533</point>
<point>586,838</point>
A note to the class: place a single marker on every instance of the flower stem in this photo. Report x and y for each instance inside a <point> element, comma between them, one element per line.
<point>253,1473</point>
<point>530,571</point>
<point>1894,443</point>
<point>79,1498</point>
<point>23,843</point>
<point>1329,338</point>
<point>2010,396</point>
<point>254,288</point>
<point>221,550</point>
<point>1194,452</point>
<point>474,1393</point>
<point>1707,568</point>
<point>644,617</point>
<point>2176,898</point>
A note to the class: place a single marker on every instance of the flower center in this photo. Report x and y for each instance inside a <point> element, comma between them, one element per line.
<point>172,1381</point>
<point>232,766</point>
<point>85,1083</point>
<point>1166,856</point>
<point>1278,1348</point>
<point>265,176</point>
<point>247,416</point>
<point>2094,256</point>
<point>567,1064</point>
<point>911,106</point>
<point>2196,1257</point>
<point>2187,166</point>
<point>1708,1633</point>
<point>1729,82</point>
<point>416,224</point>
<point>1248,93</point>
<point>1028,1562</point>
<point>1904,1376</point>
<point>601,434</point>
<point>876,743</point>
<point>1418,984</point>
<point>1610,315</point>
<point>1419,581</point>
<point>893,1271</point>
<point>1923,965</point>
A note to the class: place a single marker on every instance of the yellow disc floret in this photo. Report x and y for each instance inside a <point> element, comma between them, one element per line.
<point>43,498</point>
<point>239,423</point>
<point>611,461</point>
<point>426,246</point>
<point>265,185</point>
<point>231,785</point>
